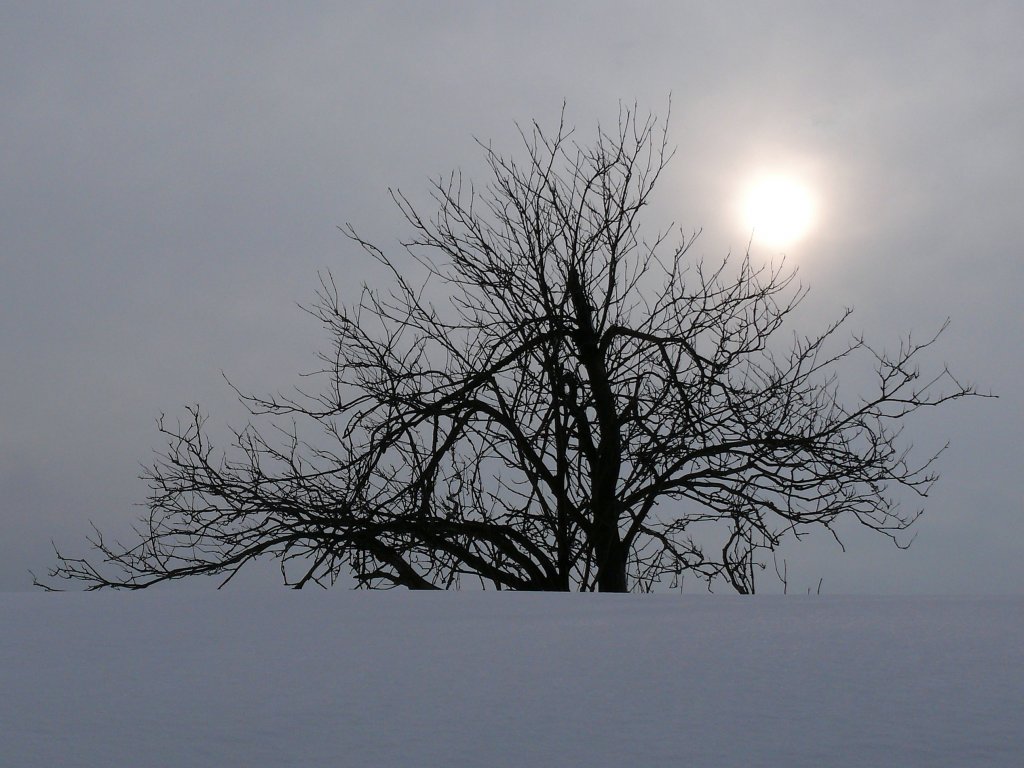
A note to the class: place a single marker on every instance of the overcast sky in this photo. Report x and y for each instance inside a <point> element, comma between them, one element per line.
<point>172,176</point>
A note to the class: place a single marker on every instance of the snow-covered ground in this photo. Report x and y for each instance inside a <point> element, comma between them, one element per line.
<point>470,679</point>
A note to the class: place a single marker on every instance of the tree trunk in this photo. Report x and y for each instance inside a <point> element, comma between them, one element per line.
<point>604,474</point>
<point>611,575</point>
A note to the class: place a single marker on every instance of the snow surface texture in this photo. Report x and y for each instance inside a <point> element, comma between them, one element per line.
<point>470,679</point>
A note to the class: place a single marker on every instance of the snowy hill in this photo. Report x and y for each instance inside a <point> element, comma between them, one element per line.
<point>470,679</point>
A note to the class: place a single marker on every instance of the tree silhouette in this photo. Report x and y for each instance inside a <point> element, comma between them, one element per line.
<point>558,404</point>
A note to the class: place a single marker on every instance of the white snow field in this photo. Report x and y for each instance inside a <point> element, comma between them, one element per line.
<point>496,679</point>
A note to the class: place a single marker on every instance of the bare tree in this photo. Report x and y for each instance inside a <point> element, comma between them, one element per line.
<point>578,408</point>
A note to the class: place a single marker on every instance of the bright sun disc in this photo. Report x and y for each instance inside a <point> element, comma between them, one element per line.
<point>778,211</point>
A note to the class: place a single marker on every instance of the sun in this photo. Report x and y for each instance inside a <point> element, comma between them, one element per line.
<point>777,210</point>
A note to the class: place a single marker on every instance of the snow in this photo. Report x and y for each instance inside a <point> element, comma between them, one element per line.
<point>496,679</point>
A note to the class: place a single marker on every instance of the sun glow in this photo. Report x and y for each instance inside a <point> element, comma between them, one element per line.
<point>777,210</point>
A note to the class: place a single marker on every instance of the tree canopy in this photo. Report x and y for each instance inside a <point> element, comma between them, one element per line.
<point>558,402</point>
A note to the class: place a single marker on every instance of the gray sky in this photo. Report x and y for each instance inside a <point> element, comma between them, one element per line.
<point>173,175</point>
